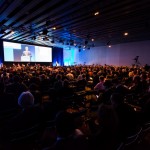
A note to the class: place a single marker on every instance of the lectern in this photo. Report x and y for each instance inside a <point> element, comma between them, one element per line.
<point>26,58</point>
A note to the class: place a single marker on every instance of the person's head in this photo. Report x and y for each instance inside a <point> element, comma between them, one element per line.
<point>65,83</point>
<point>94,73</point>
<point>107,117</point>
<point>16,78</point>
<point>26,100</point>
<point>26,48</point>
<point>107,83</point>
<point>101,78</point>
<point>116,99</point>
<point>64,124</point>
<point>33,87</point>
<point>83,76</point>
<point>136,79</point>
<point>1,87</point>
<point>58,76</point>
<point>115,81</point>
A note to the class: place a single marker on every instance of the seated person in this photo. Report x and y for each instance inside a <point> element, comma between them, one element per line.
<point>99,86</point>
<point>128,121</point>
<point>104,129</point>
<point>29,115</point>
<point>67,137</point>
<point>28,119</point>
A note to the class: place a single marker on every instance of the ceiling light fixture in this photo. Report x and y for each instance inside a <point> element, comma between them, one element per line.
<point>86,42</point>
<point>126,33</point>
<point>71,42</point>
<point>45,31</point>
<point>54,28</point>
<point>34,37</point>
<point>12,32</point>
<point>46,39</point>
<point>52,41</point>
<point>108,44</point>
<point>96,13</point>
<point>2,31</point>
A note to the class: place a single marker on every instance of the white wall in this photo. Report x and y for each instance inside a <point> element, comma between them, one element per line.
<point>121,54</point>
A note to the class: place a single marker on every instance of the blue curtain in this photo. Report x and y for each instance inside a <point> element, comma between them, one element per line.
<point>57,56</point>
<point>1,52</point>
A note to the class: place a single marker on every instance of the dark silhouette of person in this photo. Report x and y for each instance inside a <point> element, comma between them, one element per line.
<point>136,59</point>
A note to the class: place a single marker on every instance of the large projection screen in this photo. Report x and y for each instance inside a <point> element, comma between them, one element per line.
<point>17,52</point>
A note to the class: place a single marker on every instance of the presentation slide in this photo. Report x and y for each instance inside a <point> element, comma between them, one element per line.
<point>16,52</point>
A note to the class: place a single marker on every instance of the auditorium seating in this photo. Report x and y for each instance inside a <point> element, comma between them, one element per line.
<point>81,102</point>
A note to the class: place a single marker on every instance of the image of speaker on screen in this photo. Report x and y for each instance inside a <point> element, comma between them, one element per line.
<point>26,52</point>
<point>26,55</point>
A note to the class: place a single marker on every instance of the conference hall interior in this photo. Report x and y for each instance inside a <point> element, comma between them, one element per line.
<point>74,75</point>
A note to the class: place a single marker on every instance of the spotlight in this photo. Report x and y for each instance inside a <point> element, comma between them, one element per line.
<point>71,42</point>
<point>45,31</point>
<point>34,38</point>
<point>126,33</point>
<point>86,42</point>
<point>2,31</point>
<point>61,41</point>
<point>96,13</point>
<point>88,36</point>
<point>12,32</point>
<point>93,45</point>
<point>67,43</point>
<point>108,43</point>
<point>45,39</point>
<point>88,47</point>
<point>54,28</point>
<point>52,41</point>
<point>75,44</point>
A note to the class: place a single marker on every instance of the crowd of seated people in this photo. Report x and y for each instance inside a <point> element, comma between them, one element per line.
<point>38,94</point>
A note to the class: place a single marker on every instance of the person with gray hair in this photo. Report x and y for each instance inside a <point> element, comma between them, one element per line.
<point>29,114</point>
<point>26,99</point>
<point>26,124</point>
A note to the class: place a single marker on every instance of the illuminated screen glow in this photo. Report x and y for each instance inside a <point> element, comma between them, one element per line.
<point>16,52</point>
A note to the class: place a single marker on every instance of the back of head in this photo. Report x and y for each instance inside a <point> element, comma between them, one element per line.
<point>103,111</point>
<point>136,79</point>
<point>66,83</point>
<point>58,77</point>
<point>107,118</point>
<point>107,83</point>
<point>64,124</point>
<point>116,99</point>
<point>1,87</point>
<point>16,78</point>
<point>101,78</point>
<point>26,99</point>
<point>33,87</point>
<point>115,81</point>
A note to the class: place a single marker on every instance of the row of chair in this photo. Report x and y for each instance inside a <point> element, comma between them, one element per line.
<point>135,139</point>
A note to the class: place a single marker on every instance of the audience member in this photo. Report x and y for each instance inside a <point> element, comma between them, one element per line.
<point>107,129</point>
<point>126,115</point>
<point>67,137</point>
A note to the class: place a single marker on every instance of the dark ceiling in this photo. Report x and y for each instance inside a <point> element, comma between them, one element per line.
<point>33,21</point>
